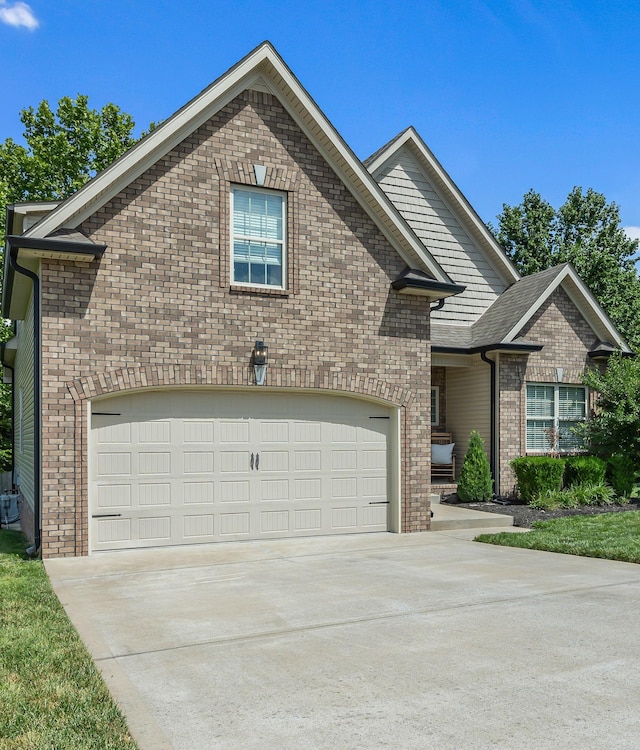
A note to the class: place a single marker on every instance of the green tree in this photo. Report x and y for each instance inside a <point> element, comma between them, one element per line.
<point>63,150</point>
<point>614,428</point>
<point>475,482</point>
<point>585,231</point>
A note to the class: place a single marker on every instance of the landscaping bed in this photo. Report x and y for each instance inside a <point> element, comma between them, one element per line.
<point>525,516</point>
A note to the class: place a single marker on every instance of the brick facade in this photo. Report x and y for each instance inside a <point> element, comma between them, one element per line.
<point>159,308</point>
<point>567,339</point>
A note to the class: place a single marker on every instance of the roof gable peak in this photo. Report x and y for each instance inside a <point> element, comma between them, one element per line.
<point>262,69</point>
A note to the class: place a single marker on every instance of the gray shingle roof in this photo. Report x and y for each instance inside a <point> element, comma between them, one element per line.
<point>494,325</point>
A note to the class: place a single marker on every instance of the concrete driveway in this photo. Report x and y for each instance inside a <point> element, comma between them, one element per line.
<point>370,641</point>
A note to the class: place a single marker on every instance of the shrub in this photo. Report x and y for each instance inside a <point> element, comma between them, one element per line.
<point>592,494</point>
<point>537,474</point>
<point>621,472</point>
<point>584,470</point>
<point>549,500</point>
<point>475,482</point>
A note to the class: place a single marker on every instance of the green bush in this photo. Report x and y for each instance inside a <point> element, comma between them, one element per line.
<point>536,475</point>
<point>549,500</point>
<point>580,470</point>
<point>584,470</point>
<point>475,482</point>
<point>622,473</point>
<point>574,497</point>
<point>593,494</point>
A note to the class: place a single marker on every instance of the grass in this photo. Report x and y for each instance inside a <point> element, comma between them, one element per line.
<point>613,536</point>
<point>51,694</point>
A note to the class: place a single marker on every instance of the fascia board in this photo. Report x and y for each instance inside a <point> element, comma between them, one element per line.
<point>584,301</point>
<point>452,195</point>
<point>264,62</point>
<point>591,311</point>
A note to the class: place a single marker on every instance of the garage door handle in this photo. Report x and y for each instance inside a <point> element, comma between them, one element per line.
<point>257,461</point>
<point>251,462</point>
<point>379,502</point>
<point>108,515</point>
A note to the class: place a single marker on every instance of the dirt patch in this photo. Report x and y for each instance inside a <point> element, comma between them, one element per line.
<point>525,516</point>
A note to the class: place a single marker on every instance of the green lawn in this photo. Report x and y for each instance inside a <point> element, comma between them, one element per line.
<point>614,536</point>
<point>52,697</point>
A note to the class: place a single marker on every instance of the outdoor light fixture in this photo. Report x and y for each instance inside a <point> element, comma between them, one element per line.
<point>260,361</point>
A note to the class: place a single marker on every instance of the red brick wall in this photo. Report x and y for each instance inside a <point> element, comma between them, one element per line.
<point>160,307</point>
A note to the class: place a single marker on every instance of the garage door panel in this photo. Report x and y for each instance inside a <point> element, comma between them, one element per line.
<point>235,491</point>
<point>198,432</point>
<point>198,493</point>
<point>154,463</point>
<point>154,494</point>
<point>113,496</point>
<point>199,527</point>
<point>274,490</point>
<point>198,462</point>
<point>176,468</point>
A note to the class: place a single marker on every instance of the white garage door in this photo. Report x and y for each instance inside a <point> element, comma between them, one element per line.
<point>185,467</point>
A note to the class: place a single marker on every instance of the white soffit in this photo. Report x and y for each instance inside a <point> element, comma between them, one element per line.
<point>584,301</point>
<point>264,70</point>
<point>452,195</point>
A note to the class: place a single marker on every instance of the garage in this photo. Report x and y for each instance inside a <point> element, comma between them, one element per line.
<point>178,466</point>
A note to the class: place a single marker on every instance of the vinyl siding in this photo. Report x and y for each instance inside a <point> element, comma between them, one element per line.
<point>469,405</point>
<point>444,237</point>
<point>24,446</point>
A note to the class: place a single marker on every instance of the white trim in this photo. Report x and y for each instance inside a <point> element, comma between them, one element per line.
<point>463,209</point>
<point>556,414</point>
<point>265,67</point>
<point>283,242</point>
<point>582,298</point>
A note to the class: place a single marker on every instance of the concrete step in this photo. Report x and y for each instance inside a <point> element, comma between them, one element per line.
<point>447,517</point>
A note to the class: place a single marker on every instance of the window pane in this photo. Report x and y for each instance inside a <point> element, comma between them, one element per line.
<point>539,434</point>
<point>241,273</point>
<point>569,441</point>
<point>241,251</point>
<point>540,401</point>
<point>572,402</point>
<point>257,273</point>
<point>274,275</point>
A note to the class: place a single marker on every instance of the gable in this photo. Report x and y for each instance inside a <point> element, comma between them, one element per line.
<point>443,233</point>
<point>168,232</point>
<point>262,70</point>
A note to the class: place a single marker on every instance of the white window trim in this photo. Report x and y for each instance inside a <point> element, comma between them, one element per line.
<point>435,413</point>
<point>283,243</point>
<point>556,412</point>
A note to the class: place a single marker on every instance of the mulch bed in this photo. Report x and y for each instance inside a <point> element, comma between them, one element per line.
<point>525,516</point>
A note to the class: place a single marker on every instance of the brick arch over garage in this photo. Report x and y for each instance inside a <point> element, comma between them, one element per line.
<point>135,378</point>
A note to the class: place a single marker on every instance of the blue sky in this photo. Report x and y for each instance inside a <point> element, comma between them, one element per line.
<point>509,94</point>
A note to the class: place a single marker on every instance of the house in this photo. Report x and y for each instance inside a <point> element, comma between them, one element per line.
<point>239,330</point>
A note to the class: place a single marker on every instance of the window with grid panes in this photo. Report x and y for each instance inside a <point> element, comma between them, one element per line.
<point>552,410</point>
<point>258,237</point>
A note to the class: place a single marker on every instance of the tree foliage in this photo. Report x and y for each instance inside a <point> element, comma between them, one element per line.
<point>475,482</point>
<point>586,232</point>
<point>614,428</point>
<point>63,150</point>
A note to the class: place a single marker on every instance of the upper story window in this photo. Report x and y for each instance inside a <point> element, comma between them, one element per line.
<point>258,237</point>
<point>552,410</point>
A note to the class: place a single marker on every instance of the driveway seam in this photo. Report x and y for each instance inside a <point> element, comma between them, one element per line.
<point>357,620</point>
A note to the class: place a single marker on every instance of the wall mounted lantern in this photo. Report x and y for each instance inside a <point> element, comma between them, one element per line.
<point>259,357</point>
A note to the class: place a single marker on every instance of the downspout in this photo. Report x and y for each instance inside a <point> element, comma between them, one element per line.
<point>37,397</point>
<point>492,430</point>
